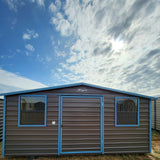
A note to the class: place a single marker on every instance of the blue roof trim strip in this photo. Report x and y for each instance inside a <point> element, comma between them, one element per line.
<point>77,84</point>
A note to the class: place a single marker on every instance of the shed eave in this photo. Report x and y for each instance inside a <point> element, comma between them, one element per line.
<point>74,85</point>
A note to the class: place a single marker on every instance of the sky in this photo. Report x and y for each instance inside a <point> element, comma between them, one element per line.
<point>111,43</point>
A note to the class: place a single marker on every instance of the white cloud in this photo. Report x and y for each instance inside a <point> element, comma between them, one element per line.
<point>30,34</point>
<point>14,4</point>
<point>52,8</point>
<point>29,47</point>
<point>39,2</point>
<point>11,82</point>
<point>59,53</point>
<point>26,36</point>
<point>35,35</point>
<point>62,24</point>
<point>58,19</point>
<point>55,7</point>
<point>58,4</point>
<point>114,50</point>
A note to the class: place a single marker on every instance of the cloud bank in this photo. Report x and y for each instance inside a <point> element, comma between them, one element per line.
<point>11,82</point>
<point>116,43</point>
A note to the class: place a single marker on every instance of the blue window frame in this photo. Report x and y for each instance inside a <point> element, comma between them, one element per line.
<point>126,111</point>
<point>32,111</point>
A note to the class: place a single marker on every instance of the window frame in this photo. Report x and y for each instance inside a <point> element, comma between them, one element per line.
<point>19,111</point>
<point>126,125</point>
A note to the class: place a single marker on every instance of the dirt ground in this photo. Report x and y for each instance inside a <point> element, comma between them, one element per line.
<point>155,155</point>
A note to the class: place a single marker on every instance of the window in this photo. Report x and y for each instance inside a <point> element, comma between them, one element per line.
<point>32,110</point>
<point>126,111</point>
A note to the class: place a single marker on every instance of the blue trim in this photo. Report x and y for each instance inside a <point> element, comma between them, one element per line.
<point>59,125</point>
<point>102,125</point>
<point>19,111</point>
<point>4,123</point>
<point>78,84</point>
<point>124,125</point>
<point>115,113</point>
<point>61,96</point>
<point>150,126</point>
<point>81,152</point>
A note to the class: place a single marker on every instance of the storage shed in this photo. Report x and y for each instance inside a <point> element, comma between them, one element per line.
<point>156,114</point>
<point>75,119</point>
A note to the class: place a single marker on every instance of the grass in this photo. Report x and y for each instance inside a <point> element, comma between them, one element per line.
<point>154,156</point>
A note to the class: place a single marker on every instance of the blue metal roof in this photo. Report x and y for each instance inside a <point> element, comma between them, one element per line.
<point>74,85</point>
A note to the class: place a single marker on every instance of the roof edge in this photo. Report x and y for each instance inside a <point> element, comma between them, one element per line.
<point>77,84</point>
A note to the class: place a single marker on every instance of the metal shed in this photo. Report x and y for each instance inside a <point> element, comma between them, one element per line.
<point>75,119</point>
<point>156,114</point>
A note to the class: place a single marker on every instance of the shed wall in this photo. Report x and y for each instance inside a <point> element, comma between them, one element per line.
<point>153,115</point>
<point>44,140</point>
<point>1,118</point>
<point>158,114</point>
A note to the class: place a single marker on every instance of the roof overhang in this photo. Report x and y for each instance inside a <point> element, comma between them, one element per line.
<point>74,85</point>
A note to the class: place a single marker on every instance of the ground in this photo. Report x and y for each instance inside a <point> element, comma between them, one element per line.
<point>155,155</point>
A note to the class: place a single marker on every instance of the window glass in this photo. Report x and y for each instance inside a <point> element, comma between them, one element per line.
<point>32,110</point>
<point>127,111</point>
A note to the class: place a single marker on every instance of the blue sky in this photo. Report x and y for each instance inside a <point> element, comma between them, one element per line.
<point>113,43</point>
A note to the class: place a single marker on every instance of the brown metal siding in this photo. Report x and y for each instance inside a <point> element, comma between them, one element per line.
<point>44,140</point>
<point>1,118</point>
<point>31,140</point>
<point>156,120</point>
<point>153,115</point>
<point>158,114</point>
<point>125,139</point>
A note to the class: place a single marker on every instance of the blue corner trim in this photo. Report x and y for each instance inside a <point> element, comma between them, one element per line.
<point>150,126</point>
<point>117,125</point>
<point>4,126</point>
<point>19,111</point>
<point>61,96</point>
<point>78,84</point>
<point>102,125</point>
<point>59,125</point>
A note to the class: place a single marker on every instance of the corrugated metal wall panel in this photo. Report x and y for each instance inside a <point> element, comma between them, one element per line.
<point>31,140</point>
<point>1,118</point>
<point>122,139</point>
<point>153,115</point>
<point>158,114</point>
<point>44,140</point>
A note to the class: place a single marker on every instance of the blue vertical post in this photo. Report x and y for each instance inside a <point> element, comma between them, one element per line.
<point>150,126</point>
<point>4,121</point>
<point>115,113</point>
<point>102,123</point>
